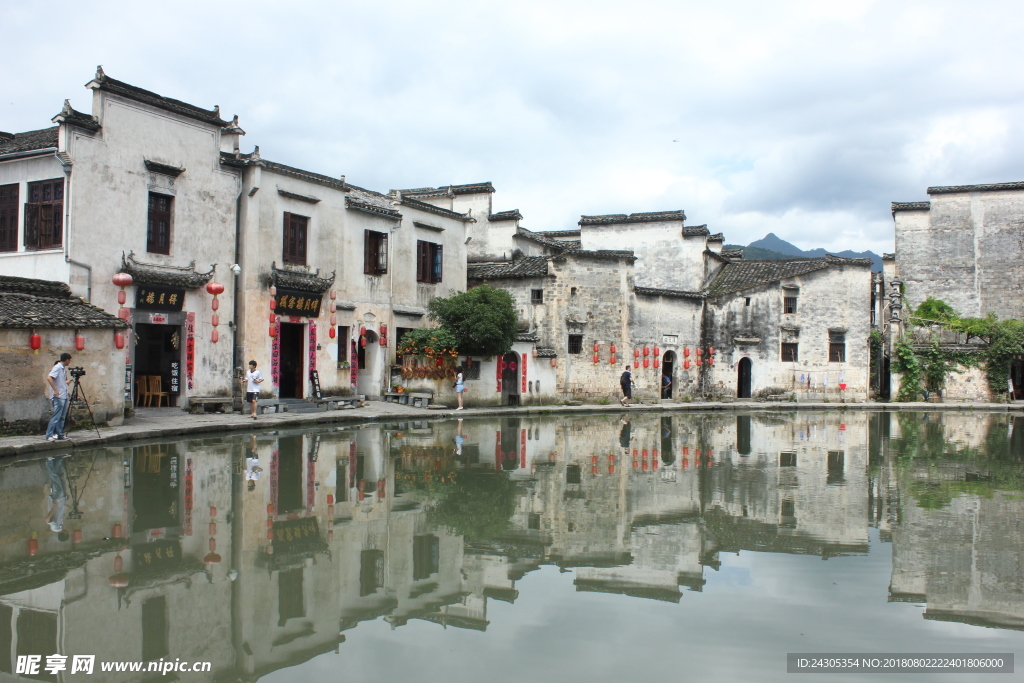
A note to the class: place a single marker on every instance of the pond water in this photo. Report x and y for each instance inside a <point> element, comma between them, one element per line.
<point>591,548</point>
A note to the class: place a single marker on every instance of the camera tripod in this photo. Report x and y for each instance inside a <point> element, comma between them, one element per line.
<point>78,394</point>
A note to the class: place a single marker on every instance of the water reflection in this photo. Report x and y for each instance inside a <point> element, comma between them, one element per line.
<point>262,552</point>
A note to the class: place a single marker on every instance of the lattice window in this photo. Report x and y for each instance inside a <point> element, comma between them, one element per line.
<point>429,261</point>
<point>789,304</point>
<point>158,226</point>
<point>375,252</point>
<point>44,215</point>
<point>790,352</point>
<point>575,343</point>
<point>296,235</point>
<point>9,217</point>
<point>536,296</point>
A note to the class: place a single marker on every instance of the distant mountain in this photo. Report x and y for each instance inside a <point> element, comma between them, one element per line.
<point>773,247</point>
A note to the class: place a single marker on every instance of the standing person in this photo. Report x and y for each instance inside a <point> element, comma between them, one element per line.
<point>666,386</point>
<point>58,496</point>
<point>57,391</point>
<point>626,383</point>
<point>253,380</point>
<point>460,386</point>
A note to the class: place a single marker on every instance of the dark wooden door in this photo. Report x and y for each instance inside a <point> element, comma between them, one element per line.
<point>743,379</point>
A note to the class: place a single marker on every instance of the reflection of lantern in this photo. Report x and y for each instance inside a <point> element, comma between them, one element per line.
<point>381,488</point>
<point>117,530</point>
<point>79,342</point>
<point>34,342</point>
<point>76,536</point>
<point>33,544</point>
<point>212,558</point>
<point>118,581</point>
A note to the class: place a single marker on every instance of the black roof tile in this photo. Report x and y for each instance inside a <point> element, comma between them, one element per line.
<point>522,267</point>
<point>910,206</point>
<point>646,217</point>
<point>736,276</point>
<point>164,276</point>
<point>27,303</point>
<point>112,85</point>
<point>73,117</point>
<point>696,231</point>
<point>512,215</point>
<point>990,187</point>
<point>671,293</point>
<point>29,141</point>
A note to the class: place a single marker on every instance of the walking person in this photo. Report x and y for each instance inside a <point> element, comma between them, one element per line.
<point>57,392</point>
<point>666,386</point>
<point>253,380</point>
<point>460,386</point>
<point>626,384</point>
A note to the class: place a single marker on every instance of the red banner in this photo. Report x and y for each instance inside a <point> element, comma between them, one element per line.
<point>190,350</point>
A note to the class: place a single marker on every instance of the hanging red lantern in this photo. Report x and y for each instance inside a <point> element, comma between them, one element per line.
<point>334,320</point>
<point>636,364</point>
<point>383,330</point>
<point>215,320</point>
<point>647,362</point>
<point>331,333</point>
<point>698,362</point>
<point>119,341</point>
<point>362,341</point>
<point>647,350</point>
<point>700,352</point>
<point>272,318</point>
<point>122,297</point>
<point>35,342</point>
<point>657,351</point>
<point>611,361</point>
<point>636,353</point>
<point>712,350</point>
<point>711,360</point>
<point>215,288</point>
<point>273,304</point>
<point>597,347</point>
<point>273,331</point>
<point>596,359</point>
<point>656,363</point>
<point>554,362</point>
<point>215,336</point>
<point>362,331</point>
<point>123,314</point>
<point>334,295</point>
<point>612,349</point>
<point>122,279</point>
<point>686,365</point>
<point>686,352</point>
<point>79,342</point>
<point>273,290</point>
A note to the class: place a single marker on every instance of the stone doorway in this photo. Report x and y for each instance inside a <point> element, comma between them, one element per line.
<point>668,365</point>
<point>510,379</point>
<point>292,360</point>
<point>743,378</point>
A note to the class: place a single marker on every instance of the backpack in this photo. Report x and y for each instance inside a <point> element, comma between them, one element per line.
<point>626,378</point>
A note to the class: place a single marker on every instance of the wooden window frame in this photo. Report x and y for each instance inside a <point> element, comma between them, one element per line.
<point>836,347</point>
<point>295,239</point>
<point>44,215</point>
<point>9,196</point>
<point>789,305</point>
<point>154,218</point>
<point>375,252</point>
<point>575,342</point>
<point>536,296</point>
<point>790,352</point>
<point>429,262</point>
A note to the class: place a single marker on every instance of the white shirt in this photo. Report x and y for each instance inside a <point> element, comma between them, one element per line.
<point>59,373</point>
<point>253,469</point>
<point>251,376</point>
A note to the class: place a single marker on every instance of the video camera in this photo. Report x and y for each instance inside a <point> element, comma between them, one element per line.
<point>76,372</point>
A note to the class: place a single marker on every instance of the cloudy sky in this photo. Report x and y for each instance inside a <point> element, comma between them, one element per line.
<point>800,118</point>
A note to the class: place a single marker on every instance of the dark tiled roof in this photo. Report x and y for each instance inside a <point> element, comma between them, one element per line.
<point>299,174</point>
<point>527,337</point>
<point>732,253</point>
<point>131,92</point>
<point>522,267</point>
<point>647,217</point>
<point>696,231</point>
<point>542,238</point>
<point>29,141</point>
<point>546,353</point>
<point>294,279</point>
<point>165,276</point>
<point>512,215</point>
<point>470,188</point>
<point>739,275</point>
<point>26,285</point>
<point>73,117</point>
<point>888,257</point>
<point>27,303</point>
<point>561,233</point>
<point>717,237</point>
<point>601,254</point>
<point>910,206</point>
<point>671,293</point>
<point>437,210</point>
<point>372,208</point>
<point>992,187</point>
<point>165,169</point>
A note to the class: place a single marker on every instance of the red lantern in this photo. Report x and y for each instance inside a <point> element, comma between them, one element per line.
<point>76,536</point>
<point>118,563</point>
<point>79,342</point>
<point>123,314</point>
<point>381,488</point>
<point>35,341</point>
<point>273,304</point>
<point>122,297</point>
<point>213,545</point>
<point>119,341</point>
<point>213,528</point>
<point>711,360</point>
<point>362,331</point>
<point>686,352</point>
<point>612,349</point>
<point>270,508</point>
<point>273,330</point>
<point>215,304</point>
<point>686,365</point>
<point>215,288</point>
<point>211,558</point>
<point>656,362</point>
<point>122,279</point>
<point>698,362</point>
<point>554,362</point>
<point>712,350</point>
<point>597,347</point>
<point>215,320</point>
<point>647,350</point>
<point>383,330</point>
<point>636,353</point>
<point>362,341</point>
<point>273,290</point>
<point>700,352</point>
<point>647,362</point>
<point>596,359</point>
<point>334,320</point>
<point>636,364</point>
<point>334,295</point>
<point>214,337</point>
<point>657,351</point>
<point>272,318</point>
<point>331,333</point>
<point>118,581</point>
<point>611,361</point>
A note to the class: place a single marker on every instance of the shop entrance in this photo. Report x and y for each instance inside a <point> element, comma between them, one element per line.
<point>292,380</point>
<point>158,363</point>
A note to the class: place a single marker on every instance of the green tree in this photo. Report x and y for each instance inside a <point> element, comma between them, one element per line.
<point>482,320</point>
<point>932,311</point>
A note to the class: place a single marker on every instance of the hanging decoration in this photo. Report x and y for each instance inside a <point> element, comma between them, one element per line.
<point>122,280</point>
<point>272,330</point>
<point>383,341</point>
<point>215,288</point>
<point>34,341</point>
<point>79,341</point>
<point>333,332</point>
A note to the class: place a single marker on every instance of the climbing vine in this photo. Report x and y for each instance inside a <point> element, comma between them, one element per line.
<point>906,362</point>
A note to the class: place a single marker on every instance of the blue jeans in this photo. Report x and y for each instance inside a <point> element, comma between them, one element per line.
<point>56,425</point>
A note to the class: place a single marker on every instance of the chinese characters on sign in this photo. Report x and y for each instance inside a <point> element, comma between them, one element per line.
<point>175,377</point>
<point>275,356</point>
<point>149,557</point>
<point>190,350</point>
<point>294,532</point>
<point>295,302</point>
<point>159,298</point>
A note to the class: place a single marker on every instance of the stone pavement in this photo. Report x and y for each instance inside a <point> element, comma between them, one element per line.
<point>150,423</point>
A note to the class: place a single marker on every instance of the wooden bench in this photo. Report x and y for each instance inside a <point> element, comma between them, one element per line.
<point>198,404</point>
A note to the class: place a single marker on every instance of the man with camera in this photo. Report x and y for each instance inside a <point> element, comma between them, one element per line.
<point>57,391</point>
